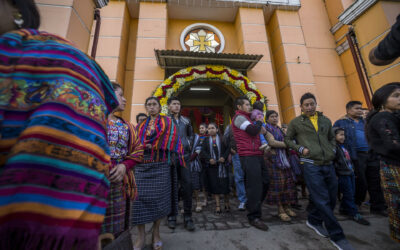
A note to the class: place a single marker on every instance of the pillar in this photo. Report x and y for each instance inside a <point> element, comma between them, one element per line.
<point>292,65</point>
<point>71,19</point>
<point>252,39</point>
<point>151,35</point>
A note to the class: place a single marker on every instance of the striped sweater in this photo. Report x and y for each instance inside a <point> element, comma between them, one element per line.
<point>54,156</point>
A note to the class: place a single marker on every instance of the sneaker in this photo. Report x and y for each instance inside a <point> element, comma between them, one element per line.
<point>360,220</point>
<point>319,229</point>
<point>342,244</point>
<point>242,206</point>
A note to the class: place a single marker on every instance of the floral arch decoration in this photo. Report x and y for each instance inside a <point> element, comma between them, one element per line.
<point>181,79</point>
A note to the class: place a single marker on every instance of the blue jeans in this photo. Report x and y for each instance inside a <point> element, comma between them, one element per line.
<point>239,178</point>
<point>322,185</point>
<point>347,187</point>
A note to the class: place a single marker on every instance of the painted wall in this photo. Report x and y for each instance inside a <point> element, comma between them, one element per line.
<point>71,19</point>
<point>370,29</point>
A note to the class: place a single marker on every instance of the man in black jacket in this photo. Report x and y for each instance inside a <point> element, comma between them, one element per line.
<point>185,132</point>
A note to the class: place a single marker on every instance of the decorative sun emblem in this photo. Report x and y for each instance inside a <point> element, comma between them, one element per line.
<point>202,41</point>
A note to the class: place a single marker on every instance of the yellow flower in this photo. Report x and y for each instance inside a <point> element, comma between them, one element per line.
<point>167,81</point>
<point>158,92</point>
<point>176,86</point>
<point>163,101</point>
<point>253,99</point>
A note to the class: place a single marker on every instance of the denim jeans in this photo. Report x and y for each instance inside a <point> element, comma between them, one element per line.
<point>322,185</point>
<point>347,187</point>
<point>239,178</point>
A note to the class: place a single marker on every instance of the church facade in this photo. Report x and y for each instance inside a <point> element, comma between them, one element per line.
<point>208,52</point>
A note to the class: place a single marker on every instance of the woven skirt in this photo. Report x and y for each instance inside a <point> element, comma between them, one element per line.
<point>153,202</point>
<point>390,182</point>
<point>196,182</point>
<point>217,185</point>
<point>282,188</point>
<point>114,220</point>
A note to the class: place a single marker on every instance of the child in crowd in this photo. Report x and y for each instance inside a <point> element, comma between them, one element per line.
<point>197,167</point>
<point>258,115</point>
<point>215,155</point>
<point>346,179</point>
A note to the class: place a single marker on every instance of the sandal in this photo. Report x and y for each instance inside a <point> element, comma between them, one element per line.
<point>105,239</point>
<point>198,208</point>
<point>157,245</point>
<point>217,209</point>
<point>290,212</point>
<point>284,217</point>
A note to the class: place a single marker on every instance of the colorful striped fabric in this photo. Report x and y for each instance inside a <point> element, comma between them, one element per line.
<point>54,156</point>
<point>166,138</point>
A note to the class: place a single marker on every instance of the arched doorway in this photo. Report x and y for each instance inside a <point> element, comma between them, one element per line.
<point>219,81</point>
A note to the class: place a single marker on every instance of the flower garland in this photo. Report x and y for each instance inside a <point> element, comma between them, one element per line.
<point>177,82</point>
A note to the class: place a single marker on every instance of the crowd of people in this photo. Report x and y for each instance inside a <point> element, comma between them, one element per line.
<point>72,169</point>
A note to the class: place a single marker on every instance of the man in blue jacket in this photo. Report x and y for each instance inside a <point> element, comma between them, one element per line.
<point>366,166</point>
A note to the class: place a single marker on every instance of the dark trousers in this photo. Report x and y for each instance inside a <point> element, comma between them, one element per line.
<point>322,185</point>
<point>256,184</point>
<point>368,179</point>
<point>185,189</point>
<point>347,189</point>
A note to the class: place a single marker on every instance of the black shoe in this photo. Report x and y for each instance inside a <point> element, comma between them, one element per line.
<point>257,223</point>
<point>189,225</point>
<point>343,212</point>
<point>380,212</point>
<point>360,220</point>
<point>172,224</point>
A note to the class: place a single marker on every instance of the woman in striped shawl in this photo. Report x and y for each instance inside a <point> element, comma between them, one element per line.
<point>54,155</point>
<point>126,151</point>
<point>153,177</point>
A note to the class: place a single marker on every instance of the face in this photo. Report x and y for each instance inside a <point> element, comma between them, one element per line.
<point>174,107</point>
<point>309,106</point>
<point>202,129</point>
<point>340,137</point>
<point>365,113</point>
<point>246,107</point>
<point>7,18</point>
<point>212,130</point>
<point>152,107</point>
<point>355,111</point>
<point>284,129</point>
<point>273,119</point>
<point>121,99</point>
<point>393,101</point>
<point>141,118</point>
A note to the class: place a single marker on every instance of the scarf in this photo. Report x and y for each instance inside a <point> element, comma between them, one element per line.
<point>221,166</point>
<point>195,165</point>
<point>165,139</point>
<point>280,159</point>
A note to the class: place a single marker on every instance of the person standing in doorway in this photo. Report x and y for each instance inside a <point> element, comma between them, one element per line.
<point>186,134</point>
<point>315,141</point>
<point>247,137</point>
<point>367,173</point>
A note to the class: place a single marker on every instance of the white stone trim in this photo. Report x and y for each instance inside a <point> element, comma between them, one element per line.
<point>342,47</point>
<point>206,26</point>
<point>336,27</point>
<point>355,10</point>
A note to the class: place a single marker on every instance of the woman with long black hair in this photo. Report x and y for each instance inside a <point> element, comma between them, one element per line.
<point>383,134</point>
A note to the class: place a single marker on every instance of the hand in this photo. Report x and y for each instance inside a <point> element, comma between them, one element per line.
<point>193,156</point>
<point>233,151</point>
<point>212,162</point>
<point>222,160</point>
<point>306,151</point>
<point>149,146</point>
<point>117,173</point>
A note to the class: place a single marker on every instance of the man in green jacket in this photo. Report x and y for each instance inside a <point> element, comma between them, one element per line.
<point>312,136</point>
